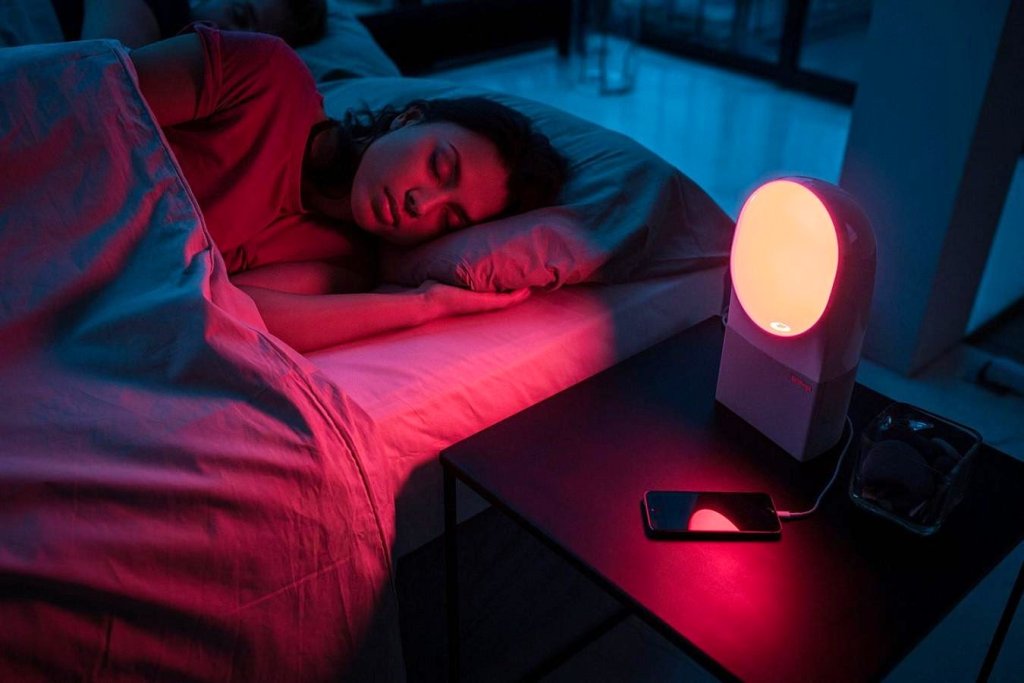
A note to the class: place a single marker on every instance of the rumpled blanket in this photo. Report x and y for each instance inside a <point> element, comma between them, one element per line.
<point>182,497</point>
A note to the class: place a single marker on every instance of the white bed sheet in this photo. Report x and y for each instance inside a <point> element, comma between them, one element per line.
<point>432,386</point>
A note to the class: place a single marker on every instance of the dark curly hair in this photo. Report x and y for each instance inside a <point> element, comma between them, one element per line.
<point>536,170</point>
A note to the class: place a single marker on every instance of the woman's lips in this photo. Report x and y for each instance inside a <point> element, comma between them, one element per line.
<point>378,206</point>
<point>392,208</point>
<point>385,208</point>
<point>382,209</point>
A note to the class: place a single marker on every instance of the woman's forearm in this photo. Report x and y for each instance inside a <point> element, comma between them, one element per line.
<point>308,322</point>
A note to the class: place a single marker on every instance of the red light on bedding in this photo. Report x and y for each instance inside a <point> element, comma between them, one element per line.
<point>785,256</point>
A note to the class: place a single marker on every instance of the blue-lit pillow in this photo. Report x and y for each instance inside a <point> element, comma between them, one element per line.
<point>625,214</point>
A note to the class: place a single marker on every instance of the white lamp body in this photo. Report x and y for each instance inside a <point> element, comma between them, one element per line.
<point>803,272</point>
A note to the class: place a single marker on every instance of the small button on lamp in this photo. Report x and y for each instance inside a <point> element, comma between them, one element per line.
<point>803,272</point>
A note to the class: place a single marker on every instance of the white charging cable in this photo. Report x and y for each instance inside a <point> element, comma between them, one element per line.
<point>786,516</point>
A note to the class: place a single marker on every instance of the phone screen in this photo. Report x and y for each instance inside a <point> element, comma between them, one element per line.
<point>711,514</point>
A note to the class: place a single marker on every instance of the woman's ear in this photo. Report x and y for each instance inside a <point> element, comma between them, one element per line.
<point>413,114</point>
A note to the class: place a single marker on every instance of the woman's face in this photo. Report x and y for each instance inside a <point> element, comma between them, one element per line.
<point>422,180</point>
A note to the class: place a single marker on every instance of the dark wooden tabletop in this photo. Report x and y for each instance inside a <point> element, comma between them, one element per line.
<point>841,596</point>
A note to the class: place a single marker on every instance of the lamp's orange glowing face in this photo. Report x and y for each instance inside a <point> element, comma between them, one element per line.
<point>785,256</point>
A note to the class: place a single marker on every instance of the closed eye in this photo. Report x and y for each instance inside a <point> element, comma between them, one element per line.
<point>456,166</point>
<point>444,165</point>
<point>437,166</point>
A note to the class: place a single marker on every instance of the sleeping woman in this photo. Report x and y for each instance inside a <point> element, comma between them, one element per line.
<point>296,201</point>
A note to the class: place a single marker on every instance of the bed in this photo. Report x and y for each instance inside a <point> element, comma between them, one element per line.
<point>186,497</point>
<point>432,386</point>
<point>643,246</point>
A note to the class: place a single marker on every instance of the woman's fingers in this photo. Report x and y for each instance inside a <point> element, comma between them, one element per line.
<point>458,301</point>
<point>503,299</point>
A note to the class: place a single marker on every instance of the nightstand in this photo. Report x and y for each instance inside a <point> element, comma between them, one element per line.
<point>841,596</point>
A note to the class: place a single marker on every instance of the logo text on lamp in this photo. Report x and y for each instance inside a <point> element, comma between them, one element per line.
<point>803,272</point>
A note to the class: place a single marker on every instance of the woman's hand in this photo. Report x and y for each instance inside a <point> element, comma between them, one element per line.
<point>444,300</point>
<point>314,321</point>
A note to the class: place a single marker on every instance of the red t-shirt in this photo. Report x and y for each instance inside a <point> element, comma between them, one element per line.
<point>242,156</point>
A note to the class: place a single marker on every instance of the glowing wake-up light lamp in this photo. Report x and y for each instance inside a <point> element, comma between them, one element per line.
<point>803,272</point>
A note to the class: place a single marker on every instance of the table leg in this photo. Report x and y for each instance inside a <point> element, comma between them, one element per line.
<point>1004,626</point>
<point>451,575</point>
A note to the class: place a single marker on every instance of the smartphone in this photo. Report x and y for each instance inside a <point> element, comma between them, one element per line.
<point>711,514</point>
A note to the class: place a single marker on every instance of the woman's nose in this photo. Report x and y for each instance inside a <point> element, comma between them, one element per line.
<point>422,200</point>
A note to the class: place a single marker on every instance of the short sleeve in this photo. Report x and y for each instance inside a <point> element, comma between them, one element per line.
<point>240,66</point>
<point>243,154</point>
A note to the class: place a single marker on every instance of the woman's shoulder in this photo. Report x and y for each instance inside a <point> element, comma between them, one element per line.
<point>244,65</point>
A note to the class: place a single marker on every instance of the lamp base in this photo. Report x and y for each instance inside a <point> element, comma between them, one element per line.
<point>804,417</point>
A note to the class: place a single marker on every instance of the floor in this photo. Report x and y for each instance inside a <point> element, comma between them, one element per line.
<point>731,132</point>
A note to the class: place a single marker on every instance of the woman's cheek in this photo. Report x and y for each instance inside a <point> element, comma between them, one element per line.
<point>362,212</point>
